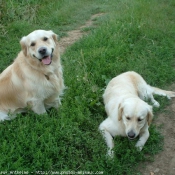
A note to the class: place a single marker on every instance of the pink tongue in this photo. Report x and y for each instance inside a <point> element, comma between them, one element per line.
<point>46,60</point>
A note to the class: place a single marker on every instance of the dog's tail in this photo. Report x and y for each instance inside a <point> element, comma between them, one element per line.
<point>162,92</point>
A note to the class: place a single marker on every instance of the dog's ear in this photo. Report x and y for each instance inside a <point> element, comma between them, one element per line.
<point>54,36</point>
<point>149,115</point>
<point>120,111</point>
<point>23,45</point>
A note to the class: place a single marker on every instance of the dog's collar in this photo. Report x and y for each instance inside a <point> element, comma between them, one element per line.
<point>47,77</point>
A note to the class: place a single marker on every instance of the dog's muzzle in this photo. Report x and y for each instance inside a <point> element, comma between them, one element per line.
<point>131,135</point>
<point>46,58</point>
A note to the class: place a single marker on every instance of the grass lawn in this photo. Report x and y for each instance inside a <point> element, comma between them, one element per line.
<point>131,35</point>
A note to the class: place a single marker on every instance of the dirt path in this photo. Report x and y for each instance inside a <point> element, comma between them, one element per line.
<point>164,163</point>
<point>74,35</point>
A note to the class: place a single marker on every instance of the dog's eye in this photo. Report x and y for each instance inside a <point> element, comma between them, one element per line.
<point>32,44</point>
<point>128,118</point>
<point>139,119</point>
<point>45,39</point>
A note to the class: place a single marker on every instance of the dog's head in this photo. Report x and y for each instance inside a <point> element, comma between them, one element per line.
<point>39,46</point>
<point>136,114</point>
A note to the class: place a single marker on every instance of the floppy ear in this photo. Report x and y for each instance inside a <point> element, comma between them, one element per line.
<point>149,115</point>
<point>54,36</point>
<point>23,45</point>
<point>120,111</point>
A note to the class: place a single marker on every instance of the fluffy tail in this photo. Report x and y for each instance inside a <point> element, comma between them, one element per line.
<point>162,92</point>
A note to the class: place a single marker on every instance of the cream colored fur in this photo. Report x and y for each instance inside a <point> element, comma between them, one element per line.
<point>30,81</point>
<point>128,114</point>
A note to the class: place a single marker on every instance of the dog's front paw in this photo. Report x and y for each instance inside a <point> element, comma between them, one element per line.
<point>139,146</point>
<point>110,154</point>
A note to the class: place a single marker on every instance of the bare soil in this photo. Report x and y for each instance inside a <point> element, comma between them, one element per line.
<point>74,35</point>
<point>164,162</point>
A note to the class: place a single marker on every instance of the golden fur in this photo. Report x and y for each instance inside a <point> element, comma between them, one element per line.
<point>128,114</point>
<point>34,78</point>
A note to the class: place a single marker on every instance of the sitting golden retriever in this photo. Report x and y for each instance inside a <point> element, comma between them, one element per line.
<point>128,114</point>
<point>34,79</point>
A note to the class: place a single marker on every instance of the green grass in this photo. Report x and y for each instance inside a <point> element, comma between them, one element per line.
<point>131,35</point>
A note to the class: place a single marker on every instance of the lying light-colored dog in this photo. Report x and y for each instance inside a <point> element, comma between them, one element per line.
<point>34,79</point>
<point>128,114</point>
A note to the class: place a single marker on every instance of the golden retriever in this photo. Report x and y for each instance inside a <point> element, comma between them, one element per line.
<point>128,115</point>
<point>35,77</point>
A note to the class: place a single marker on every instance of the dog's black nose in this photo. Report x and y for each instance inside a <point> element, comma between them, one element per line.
<point>42,50</point>
<point>131,135</point>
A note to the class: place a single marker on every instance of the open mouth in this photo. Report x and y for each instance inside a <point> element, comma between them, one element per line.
<point>46,60</point>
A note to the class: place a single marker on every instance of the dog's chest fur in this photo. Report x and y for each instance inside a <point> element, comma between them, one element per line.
<point>45,85</point>
<point>38,83</point>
